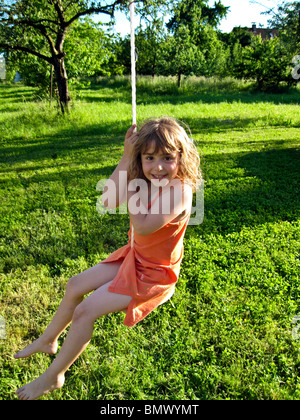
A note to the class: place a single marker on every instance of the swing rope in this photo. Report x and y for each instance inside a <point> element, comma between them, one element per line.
<point>133,77</point>
<point>133,60</point>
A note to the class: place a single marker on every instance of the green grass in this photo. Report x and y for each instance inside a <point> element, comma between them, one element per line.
<point>227,333</point>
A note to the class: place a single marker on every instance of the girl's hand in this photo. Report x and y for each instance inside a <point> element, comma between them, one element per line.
<point>130,138</point>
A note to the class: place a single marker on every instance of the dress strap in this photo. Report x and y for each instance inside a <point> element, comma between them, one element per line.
<point>132,236</point>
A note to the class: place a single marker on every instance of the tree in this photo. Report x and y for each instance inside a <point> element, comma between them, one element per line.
<point>234,42</point>
<point>197,48</point>
<point>40,28</point>
<point>89,50</point>
<point>266,61</point>
<point>269,61</point>
<point>196,14</point>
<point>238,35</point>
<point>148,41</point>
<point>178,55</point>
<point>287,20</point>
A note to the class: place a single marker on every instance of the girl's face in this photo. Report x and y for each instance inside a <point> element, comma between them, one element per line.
<point>160,167</point>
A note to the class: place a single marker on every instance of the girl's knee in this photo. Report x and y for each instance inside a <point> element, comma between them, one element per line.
<point>81,312</point>
<point>72,287</point>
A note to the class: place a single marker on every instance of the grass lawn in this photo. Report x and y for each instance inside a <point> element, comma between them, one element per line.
<point>227,332</point>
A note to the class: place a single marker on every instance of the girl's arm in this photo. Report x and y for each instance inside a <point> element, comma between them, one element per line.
<point>175,199</point>
<point>115,190</point>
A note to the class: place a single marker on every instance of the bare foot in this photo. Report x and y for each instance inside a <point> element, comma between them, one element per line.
<point>40,386</point>
<point>38,346</point>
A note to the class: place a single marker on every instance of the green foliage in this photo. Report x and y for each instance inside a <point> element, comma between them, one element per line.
<point>227,332</point>
<point>215,53</point>
<point>287,20</point>
<point>33,71</point>
<point>238,35</point>
<point>40,29</point>
<point>88,50</point>
<point>149,46</point>
<point>188,45</point>
<point>194,14</point>
<point>179,56</point>
<point>266,61</point>
<point>194,47</point>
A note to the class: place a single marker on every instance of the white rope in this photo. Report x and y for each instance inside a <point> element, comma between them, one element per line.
<point>133,60</point>
<point>133,77</point>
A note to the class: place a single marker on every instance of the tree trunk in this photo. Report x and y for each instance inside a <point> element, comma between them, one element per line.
<point>179,80</point>
<point>62,84</point>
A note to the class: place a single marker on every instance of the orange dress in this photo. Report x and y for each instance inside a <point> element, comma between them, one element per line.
<point>150,268</point>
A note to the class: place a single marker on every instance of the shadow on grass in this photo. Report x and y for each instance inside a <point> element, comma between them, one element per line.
<point>152,97</point>
<point>16,92</point>
<point>67,142</point>
<point>268,191</point>
<point>216,98</point>
<point>108,137</point>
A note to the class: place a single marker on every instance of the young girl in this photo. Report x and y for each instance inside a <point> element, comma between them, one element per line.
<point>162,165</point>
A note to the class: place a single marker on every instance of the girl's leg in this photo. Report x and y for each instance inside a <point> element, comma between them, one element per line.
<point>99,303</point>
<point>76,288</point>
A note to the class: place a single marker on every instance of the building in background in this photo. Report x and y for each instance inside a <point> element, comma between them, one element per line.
<point>264,33</point>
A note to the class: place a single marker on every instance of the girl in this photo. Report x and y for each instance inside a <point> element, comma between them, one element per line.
<point>162,168</point>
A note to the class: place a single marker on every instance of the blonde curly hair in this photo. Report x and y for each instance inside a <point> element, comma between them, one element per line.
<point>168,136</point>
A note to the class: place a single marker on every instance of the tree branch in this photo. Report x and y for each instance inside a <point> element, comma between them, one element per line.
<point>27,50</point>
<point>37,25</point>
<point>267,12</point>
<point>28,21</point>
<point>108,10</point>
<point>60,13</point>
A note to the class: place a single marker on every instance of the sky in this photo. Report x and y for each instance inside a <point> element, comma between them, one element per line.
<point>244,12</point>
<point>241,13</point>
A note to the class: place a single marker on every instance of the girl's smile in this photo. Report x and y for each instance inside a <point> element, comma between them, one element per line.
<point>160,166</point>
